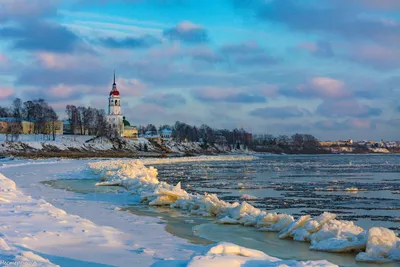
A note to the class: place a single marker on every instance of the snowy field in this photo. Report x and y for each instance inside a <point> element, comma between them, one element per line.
<point>49,226</point>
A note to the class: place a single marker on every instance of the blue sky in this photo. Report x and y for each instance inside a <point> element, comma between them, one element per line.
<point>326,67</point>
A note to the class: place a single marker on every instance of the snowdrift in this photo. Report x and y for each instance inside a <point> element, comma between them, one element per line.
<point>228,254</point>
<point>35,224</point>
<point>324,232</point>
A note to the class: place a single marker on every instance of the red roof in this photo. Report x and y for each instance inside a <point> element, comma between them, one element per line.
<point>114,92</point>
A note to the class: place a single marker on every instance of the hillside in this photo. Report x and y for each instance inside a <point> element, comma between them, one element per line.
<point>90,146</point>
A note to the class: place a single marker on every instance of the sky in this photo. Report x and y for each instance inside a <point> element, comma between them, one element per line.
<point>330,68</point>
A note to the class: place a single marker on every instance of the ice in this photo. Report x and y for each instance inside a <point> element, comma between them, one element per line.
<point>227,220</point>
<point>339,236</point>
<point>288,231</point>
<point>351,189</point>
<point>324,232</point>
<point>228,254</point>
<point>248,197</point>
<point>382,246</point>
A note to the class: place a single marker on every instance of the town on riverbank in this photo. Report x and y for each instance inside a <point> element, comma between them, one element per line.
<point>33,129</point>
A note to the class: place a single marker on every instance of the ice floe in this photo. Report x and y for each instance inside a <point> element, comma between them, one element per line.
<point>228,254</point>
<point>324,232</point>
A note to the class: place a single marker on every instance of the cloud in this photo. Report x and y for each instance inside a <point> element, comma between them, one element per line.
<point>130,87</point>
<point>390,5</point>
<point>62,93</point>
<point>249,53</point>
<point>320,87</point>
<point>319,49</point>
<point>165,100</point>
<point>346,108</point>
<point>328,87</point>
<point>380,57</point>
<point>51,77</point>
<point>6,92</point>
<point>279,112</point>
<point>343,18</point>
<point>349,124</point>
<point>204,53</point>
<point>67,61</point>
<point>27,9</point>
<point>377,56</point>
<point>3,59</point>
<point>187,32</point>
<point>130,42</point>
<point>41,36</point>
<point>210,94</point>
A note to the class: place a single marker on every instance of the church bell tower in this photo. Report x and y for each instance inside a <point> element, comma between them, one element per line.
<point>114,117</point>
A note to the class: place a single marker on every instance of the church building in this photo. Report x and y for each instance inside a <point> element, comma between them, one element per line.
<point>115,119</point>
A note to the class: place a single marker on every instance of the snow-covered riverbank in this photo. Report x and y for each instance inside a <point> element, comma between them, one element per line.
<point>87,145</point>
<point>324,232</point>
<point>48,226</point>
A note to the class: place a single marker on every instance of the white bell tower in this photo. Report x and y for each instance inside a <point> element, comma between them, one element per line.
<point>114,117</point>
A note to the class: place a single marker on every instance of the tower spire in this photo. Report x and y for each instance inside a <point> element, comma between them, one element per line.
<point>114,78</point>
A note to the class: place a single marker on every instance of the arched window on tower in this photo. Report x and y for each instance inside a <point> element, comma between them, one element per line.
<point>116,102</point>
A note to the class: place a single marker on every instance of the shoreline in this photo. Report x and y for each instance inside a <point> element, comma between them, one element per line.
<point>116,154</point>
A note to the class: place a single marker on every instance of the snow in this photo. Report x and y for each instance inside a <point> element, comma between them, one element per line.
<point>10,255</point>
<point>67,142</point>
<point>324,232</point>
<point>43,226</point>
<point>84,143</point>
<point>228,254</point>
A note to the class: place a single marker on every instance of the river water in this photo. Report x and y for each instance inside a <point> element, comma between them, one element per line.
<point>292,184</point>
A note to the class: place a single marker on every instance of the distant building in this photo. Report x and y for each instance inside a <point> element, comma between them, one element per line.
<point>221,140</point>
<point>130,132</point>
<point>28,127</point>
<point>67,128</point>
<point>166,134</point>
<point>249,138</point>
<point>114,117</point>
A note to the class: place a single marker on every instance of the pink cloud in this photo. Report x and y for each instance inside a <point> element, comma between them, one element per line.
<point>309,46</point>
<point>269,90</point>
<point>187,26</point>
<point>63,91</point>
<point>3,58</point>
<point>330,87</point>
<point>130,87</point>
<point>52,60</point>
<point>203,53</point>
<point>172,51</point>
<point>381,4</point>
<point>375,55</point>
<point>324,87</point>
<point>347,108</point>
<point>5,92</point>
<point>19,8</point>
<point>359,123</point>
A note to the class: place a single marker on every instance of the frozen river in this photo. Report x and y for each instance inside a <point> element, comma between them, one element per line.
<point>361,188</point>
<point>303,184</point>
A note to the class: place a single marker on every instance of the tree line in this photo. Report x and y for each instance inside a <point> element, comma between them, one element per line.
<point>185,132</point>
<point>37,111</point>
<point>87,121</point>
<point>305,143</point>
